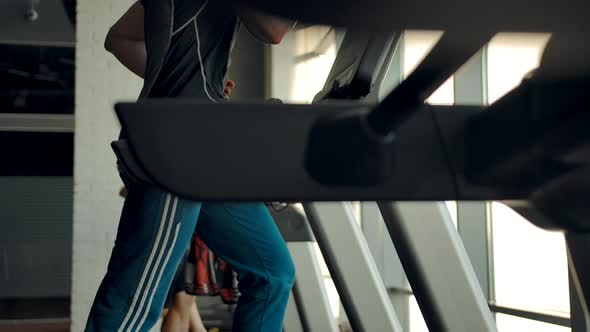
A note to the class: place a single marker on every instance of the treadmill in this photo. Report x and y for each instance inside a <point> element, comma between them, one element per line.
<point>408,151</point>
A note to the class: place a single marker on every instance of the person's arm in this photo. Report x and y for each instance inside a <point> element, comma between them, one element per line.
<point>267,28</point>
<point>126,40</point>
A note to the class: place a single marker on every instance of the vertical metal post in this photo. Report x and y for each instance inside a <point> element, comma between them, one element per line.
<point>470,89</point>
<point>473,227</point>
<point>471,81</point>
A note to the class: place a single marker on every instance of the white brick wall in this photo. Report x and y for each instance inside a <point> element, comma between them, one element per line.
<point>100,81</point>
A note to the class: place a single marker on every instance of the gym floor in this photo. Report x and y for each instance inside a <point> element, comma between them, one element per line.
<point>35,315</point>
<point>52,315</point>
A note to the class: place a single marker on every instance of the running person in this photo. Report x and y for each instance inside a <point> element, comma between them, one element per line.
<point>182,49</point>
<point>200,273</point>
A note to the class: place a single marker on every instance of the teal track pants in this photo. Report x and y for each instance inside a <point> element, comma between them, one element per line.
<point>154,232</point>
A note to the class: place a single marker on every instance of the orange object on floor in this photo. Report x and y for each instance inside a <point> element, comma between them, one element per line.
<point>213,276</point>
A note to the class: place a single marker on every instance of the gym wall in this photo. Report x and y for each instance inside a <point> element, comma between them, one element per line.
<point>100,81</point>
<point>36,81</point>
<point>47,24</point>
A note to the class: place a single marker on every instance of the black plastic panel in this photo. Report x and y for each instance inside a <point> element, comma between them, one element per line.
<point>465,16</point>
<point>529,134</point>
<point>36,154</point>
<point>255,152</point>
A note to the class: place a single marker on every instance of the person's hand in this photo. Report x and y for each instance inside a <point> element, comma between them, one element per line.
<point>229,84</point>
<point>123,192</point>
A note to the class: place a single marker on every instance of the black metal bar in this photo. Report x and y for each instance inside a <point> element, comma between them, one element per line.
<point>541,317</point>
<point>578,311</point>
<point>448,55</point>
<point>299,305</point>
<point>499,15</point>
<point>551,114</point>
<point>400,290</point>
<point>527,314</point>
<point>578,258</point>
